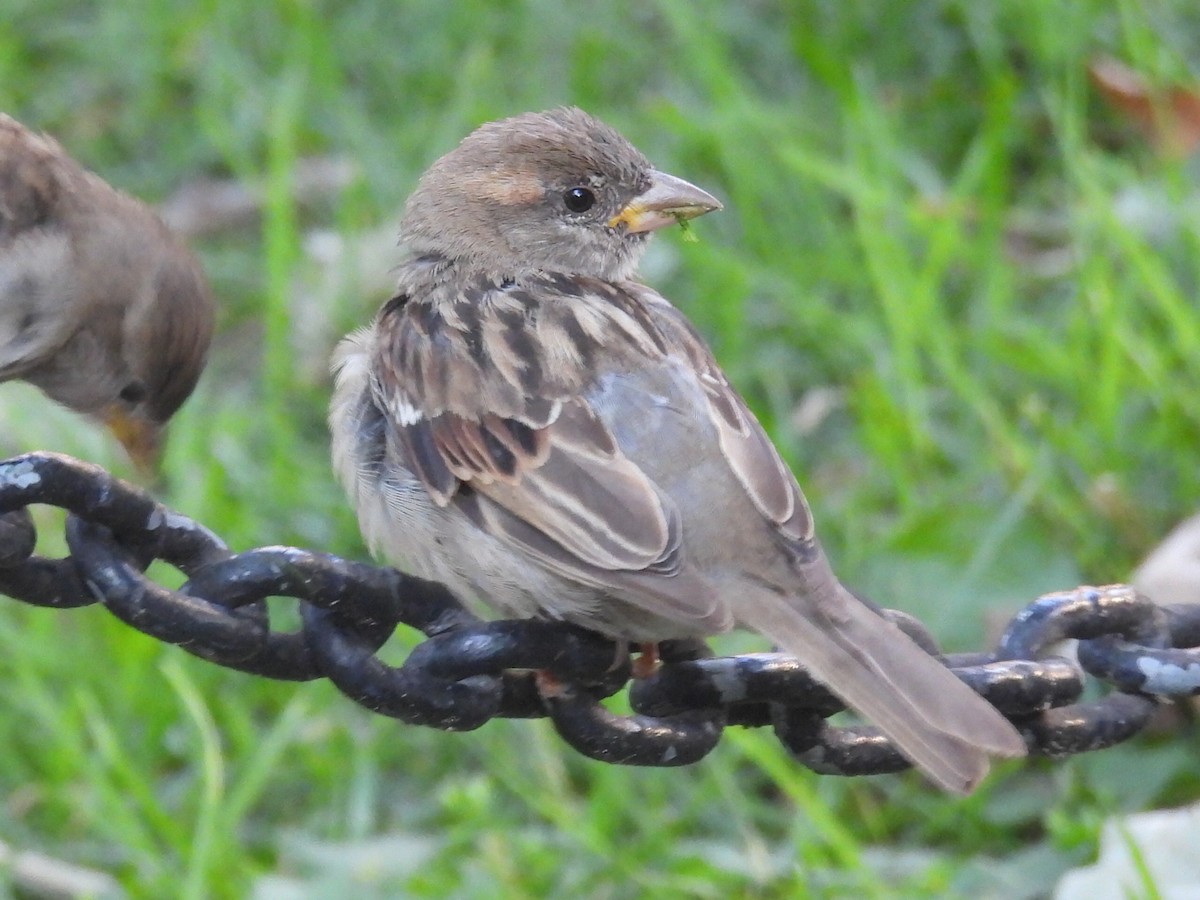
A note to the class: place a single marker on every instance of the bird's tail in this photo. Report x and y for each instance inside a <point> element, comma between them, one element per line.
<point>941,725</point>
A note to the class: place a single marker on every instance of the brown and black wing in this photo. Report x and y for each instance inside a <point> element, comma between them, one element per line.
<point>485,400</point>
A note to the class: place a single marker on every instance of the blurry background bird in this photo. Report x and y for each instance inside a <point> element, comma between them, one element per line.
<point>100,305</point>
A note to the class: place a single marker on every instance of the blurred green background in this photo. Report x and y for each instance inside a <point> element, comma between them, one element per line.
<point>956,282</point>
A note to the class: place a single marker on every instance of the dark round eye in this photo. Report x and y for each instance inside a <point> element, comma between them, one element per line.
<point>579,199</point>
<point>133,393</point>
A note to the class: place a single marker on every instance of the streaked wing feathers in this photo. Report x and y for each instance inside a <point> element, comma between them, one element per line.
<point>501,427</point>
<point>592,500</point>
<point>751,455</point>
<point>507,427</point>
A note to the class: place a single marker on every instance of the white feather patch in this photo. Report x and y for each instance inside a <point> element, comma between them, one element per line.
<point>405,413</point>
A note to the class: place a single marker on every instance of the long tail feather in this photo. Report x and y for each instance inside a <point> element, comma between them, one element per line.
<point>940,724</point>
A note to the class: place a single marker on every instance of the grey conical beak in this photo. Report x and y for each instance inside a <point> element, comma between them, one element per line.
<point>668,200</point>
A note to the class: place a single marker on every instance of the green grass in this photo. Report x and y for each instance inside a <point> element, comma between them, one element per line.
<point>1010,421</point>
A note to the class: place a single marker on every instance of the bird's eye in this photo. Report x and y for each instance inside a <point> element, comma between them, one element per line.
<point>579,199</point>
<point>133,393</point>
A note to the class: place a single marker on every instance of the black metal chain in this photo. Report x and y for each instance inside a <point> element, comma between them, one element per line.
<point>468,671</point>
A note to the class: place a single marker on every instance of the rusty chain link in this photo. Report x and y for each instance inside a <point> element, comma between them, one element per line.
<point>468,671</point>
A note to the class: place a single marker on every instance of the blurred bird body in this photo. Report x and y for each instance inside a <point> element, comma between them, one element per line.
<point>530,426</point>
<point>100,305</point>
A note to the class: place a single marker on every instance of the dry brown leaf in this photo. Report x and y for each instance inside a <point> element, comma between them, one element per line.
<point>1170,117</point>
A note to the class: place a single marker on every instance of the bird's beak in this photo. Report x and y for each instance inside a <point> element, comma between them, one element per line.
<point>668,200</point>
<point>141,438</point>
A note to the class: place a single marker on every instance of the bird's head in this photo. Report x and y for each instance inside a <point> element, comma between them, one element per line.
<point>552,191</point>
<point>164,347</point>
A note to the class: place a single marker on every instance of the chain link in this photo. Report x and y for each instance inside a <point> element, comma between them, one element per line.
<point>468,671</point>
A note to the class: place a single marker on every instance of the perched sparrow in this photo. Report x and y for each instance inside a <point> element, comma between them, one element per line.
<point>530,426</point>
<point>100,306</point>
